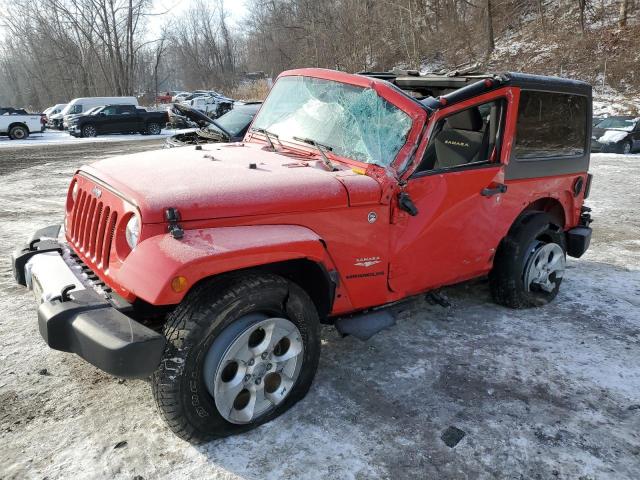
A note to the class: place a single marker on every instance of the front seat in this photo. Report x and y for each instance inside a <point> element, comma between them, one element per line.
<point>461,139</point>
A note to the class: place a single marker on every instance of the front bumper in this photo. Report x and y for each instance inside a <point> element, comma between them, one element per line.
<point>81,320</point>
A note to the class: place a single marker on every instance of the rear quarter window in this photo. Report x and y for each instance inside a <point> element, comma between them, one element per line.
<point>550,125</point>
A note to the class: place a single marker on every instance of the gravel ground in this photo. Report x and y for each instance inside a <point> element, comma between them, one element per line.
<point>545,393</point>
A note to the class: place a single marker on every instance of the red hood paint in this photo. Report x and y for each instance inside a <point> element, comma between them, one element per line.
<point>216,182</point>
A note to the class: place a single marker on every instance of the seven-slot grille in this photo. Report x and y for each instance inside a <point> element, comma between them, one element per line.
<point>92,228</point>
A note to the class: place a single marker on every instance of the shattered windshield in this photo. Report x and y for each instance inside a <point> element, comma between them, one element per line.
<point>354,121</point>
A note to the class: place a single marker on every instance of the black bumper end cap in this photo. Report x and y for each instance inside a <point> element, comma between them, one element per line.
<point>578,240</point>
<point>91,328</point>
<point>41,241</point>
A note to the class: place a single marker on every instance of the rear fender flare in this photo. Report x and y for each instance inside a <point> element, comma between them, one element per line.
<point>148,270</point>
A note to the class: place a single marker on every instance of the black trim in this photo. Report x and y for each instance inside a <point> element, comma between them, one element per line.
<point>578,240</point>
<point>87,324</point>
<point>39,242</point>
<point>539,167</point>
<point>587,188</point>
<point>459,168</point>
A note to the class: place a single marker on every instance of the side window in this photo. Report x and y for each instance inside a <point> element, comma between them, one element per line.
<point>125,109</point>
<point>112,110</point>
<point>467,137</point>
<point>550,125</point>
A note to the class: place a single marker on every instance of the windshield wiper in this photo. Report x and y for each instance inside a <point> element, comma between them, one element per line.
<point>268,136</point>
<point>321,148</point>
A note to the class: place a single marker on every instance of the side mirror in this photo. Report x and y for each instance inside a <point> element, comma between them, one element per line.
<point>101,114</point>
<point>406,204</point>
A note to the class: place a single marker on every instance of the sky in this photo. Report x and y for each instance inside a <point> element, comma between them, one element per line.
<point>236,9</point>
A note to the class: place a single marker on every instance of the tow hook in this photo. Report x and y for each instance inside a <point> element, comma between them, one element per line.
<point>64,293</point>
<point>173,217</point>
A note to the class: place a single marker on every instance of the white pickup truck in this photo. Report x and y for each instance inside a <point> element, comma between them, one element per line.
<point>19,126</point>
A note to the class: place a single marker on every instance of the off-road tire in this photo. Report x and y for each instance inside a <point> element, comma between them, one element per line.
<point>178,385</point>
<point>154,128</point>
<point>18,132</point>
<point>89,131</point>
<point>506,279</point>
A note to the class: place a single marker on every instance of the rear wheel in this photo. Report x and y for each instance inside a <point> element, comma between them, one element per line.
<point>529,263</point>
<point>241,350</point>
<point>89,131</point>
<point>18,132</point>
<point>154,129</point>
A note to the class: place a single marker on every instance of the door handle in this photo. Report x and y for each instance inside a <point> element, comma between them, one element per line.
<point>488,192</point>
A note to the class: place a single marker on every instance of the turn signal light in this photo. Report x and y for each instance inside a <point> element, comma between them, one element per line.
<point>179,284</point>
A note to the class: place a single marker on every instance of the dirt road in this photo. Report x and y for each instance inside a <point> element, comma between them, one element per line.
<point>545,393</point>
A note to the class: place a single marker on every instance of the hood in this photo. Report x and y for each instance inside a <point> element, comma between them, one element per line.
<point>217,182</point>
<point>609,135</point>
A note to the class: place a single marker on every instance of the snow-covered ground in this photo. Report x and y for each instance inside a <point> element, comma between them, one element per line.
<point>544,393</point>
<point>56,137</point>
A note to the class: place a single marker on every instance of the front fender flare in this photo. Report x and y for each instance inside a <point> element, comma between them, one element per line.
<point>149,269</point>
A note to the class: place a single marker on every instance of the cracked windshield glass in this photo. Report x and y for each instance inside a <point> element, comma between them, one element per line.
<point>354,121</point>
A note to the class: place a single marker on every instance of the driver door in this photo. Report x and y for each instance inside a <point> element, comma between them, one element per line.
<point>457,189</point>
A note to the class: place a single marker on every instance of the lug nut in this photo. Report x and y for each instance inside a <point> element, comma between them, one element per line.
<point>269,366</point>
<point>264,355</point>
<point>257,382</point>
<point>247,378</point>
<point>251,362</point>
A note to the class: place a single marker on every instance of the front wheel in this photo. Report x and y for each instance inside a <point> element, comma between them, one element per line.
<point>529,263</point>
<point>241,350</point>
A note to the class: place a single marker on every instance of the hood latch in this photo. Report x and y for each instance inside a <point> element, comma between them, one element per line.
<point>173,217</point>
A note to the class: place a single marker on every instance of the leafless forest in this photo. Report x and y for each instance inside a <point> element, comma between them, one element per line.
<point>54,50</point>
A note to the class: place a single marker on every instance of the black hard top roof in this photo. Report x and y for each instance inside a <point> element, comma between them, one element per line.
<point>412,80</point>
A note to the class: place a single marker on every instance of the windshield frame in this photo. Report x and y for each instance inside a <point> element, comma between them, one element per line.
<point>416,112</point>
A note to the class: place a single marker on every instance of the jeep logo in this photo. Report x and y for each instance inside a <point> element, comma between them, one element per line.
<point>458,144</point>
<point>97,192</point>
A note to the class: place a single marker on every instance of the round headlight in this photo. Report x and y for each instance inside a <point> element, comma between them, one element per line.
<point>74,192</point>
<point>132,232</point>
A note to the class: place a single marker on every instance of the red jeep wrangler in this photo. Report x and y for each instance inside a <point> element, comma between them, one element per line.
<point>210,268</point>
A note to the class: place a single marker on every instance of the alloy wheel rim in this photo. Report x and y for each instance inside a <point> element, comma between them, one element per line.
<point>257,371</point>
<point>19,134</point>
<point>90,131</point>
<point>626,149</point>
<point>545,267</point>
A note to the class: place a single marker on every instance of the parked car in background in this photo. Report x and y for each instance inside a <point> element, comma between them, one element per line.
<point>20,126</point>
<point>118,119</point>
<point>81,105</point>
<point>181,96</point>
<point>166,97</point>
<point>619,134</point>
<point>70,119</point>
<point>211,106</point>
<point>230,127</point>
<point>57,108</point>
